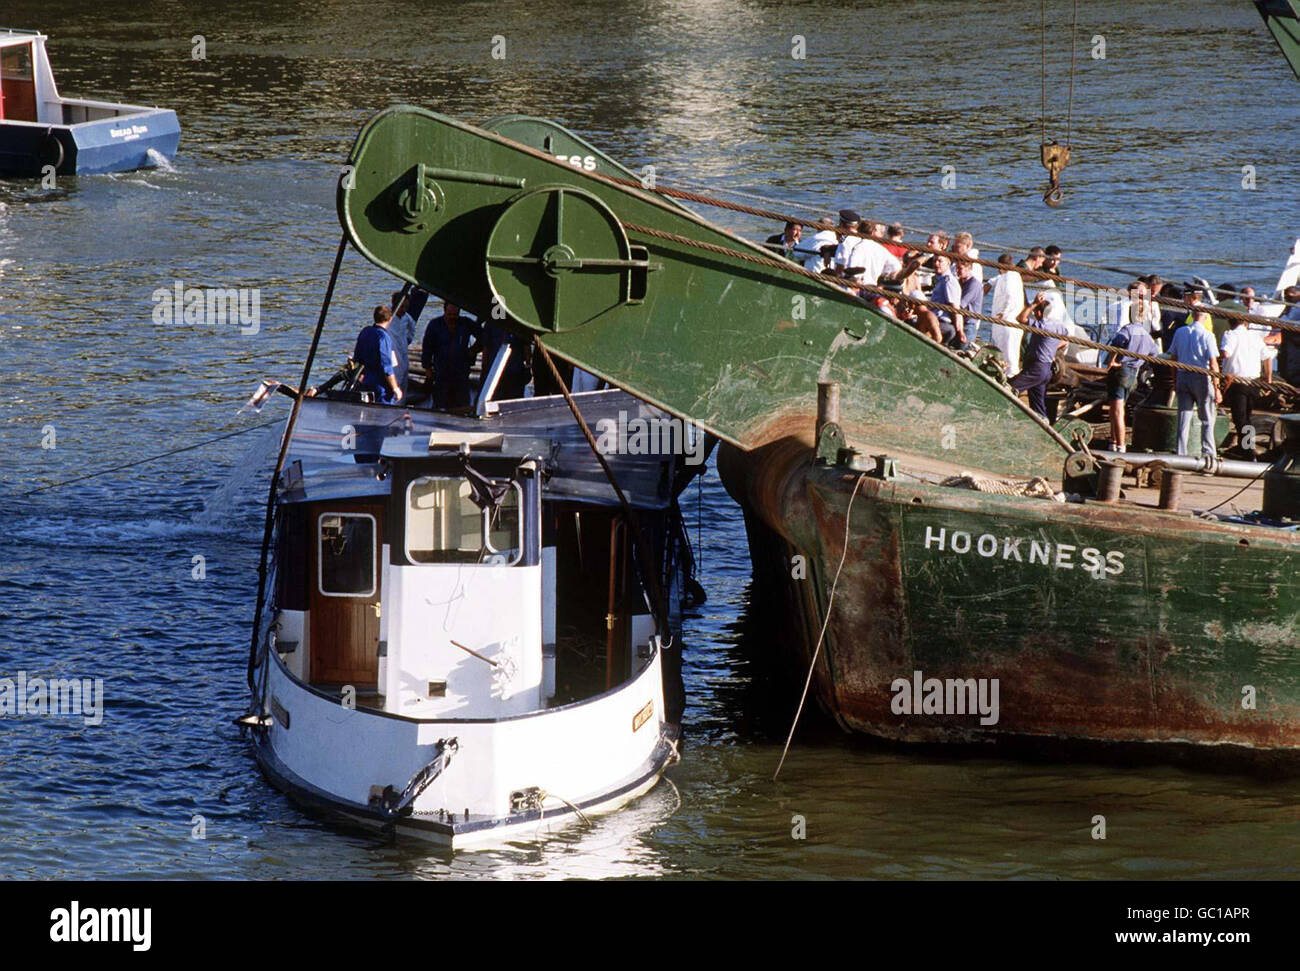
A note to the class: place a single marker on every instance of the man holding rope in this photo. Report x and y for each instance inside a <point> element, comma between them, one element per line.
<point>1040,351</point>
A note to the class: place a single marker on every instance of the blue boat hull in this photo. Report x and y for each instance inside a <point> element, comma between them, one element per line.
<point>118,144</point>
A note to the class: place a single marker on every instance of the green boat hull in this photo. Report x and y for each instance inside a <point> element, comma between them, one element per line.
<point>1099,625</point>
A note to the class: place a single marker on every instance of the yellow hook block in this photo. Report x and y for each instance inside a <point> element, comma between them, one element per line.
<point>1055,159</point>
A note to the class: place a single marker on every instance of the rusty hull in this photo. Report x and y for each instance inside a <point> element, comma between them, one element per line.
<point>1152,637</point>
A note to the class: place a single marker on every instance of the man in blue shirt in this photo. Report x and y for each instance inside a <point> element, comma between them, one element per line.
<point>448,351</point>
<point>947,290</point>
<point>377,354</point>
<point>1040,350</point>
<point>1122,377</point>
<point>1194,344</point>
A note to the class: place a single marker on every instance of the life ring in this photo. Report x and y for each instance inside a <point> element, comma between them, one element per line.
<point>51,151</point>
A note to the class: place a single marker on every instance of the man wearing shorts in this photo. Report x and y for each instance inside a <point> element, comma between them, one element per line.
<point>1122,376</point>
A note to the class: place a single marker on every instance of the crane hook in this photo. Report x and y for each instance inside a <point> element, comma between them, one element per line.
<point>1055,159</point>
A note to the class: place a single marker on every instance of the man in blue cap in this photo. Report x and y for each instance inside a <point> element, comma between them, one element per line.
<point>849,221</point>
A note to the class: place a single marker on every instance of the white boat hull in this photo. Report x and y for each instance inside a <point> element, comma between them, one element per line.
<point>569,762</point>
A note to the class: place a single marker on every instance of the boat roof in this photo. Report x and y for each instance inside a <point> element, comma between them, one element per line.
<point>325,469</point>
<point>10,36</point>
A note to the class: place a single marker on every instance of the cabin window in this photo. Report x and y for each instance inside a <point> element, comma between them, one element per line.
<point>345,554</point>
<point>17,83</point>
<point>16,63</point>
<point>444,525</point>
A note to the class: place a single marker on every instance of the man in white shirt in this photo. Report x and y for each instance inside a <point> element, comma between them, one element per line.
<point>845,238</point>
<point>1251,306</point>
<point>1008,300</point>
<point>1142,310</point>
<point>826,236</point>
<point>1033,261</point>
<point>402,330</point>
<point>870,257</point>
<point>1244,355</point>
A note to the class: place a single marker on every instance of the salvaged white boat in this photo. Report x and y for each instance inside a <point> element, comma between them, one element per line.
<point>459,642</point>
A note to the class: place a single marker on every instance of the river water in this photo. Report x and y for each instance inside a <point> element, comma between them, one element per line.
<point>96,578</point>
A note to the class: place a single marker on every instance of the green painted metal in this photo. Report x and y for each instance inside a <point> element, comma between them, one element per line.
<point>733,345</point>
<point>1283,20</point>
<point>558,258</point>
<point>554,139</point>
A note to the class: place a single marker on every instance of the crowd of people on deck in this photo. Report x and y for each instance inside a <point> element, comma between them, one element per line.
<point>938,288</point>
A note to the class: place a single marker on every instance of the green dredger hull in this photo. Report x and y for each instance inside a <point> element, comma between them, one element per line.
<point>1098,624</point>
<point>1183,620</point>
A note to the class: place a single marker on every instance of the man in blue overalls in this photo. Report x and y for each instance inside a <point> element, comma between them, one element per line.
<point>448,355</point>
<point>377,355</point>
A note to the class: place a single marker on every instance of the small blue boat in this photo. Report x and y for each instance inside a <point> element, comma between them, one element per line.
<point>39,129</point>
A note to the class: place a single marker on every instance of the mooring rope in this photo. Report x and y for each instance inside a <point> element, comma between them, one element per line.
<point>146,461</point>
<point>660,605</point>
<point>830,603</point>
<point>918,230</point>
<point>1036,275</point>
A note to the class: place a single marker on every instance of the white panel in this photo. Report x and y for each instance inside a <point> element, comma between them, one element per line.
<point>291,626</point>
<point>49,110</point>
<point>385,556</point>
<point>642,629</point>
<point>493,610</point>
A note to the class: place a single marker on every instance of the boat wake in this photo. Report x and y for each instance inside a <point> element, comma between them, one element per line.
<point>160,161</point>
<point>235,496</point>
<point>239,488</point>
<point>76,532</point>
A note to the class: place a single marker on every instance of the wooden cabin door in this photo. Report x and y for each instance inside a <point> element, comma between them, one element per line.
<point>346,540</point>
<point>17,83</point>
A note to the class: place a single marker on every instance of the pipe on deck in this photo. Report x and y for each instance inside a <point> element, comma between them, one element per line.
<point>1229,468</point>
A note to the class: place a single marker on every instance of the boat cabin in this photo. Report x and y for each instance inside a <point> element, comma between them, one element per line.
<point>427,597</point>
<point>39,128</point>
<point>26,93</point>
